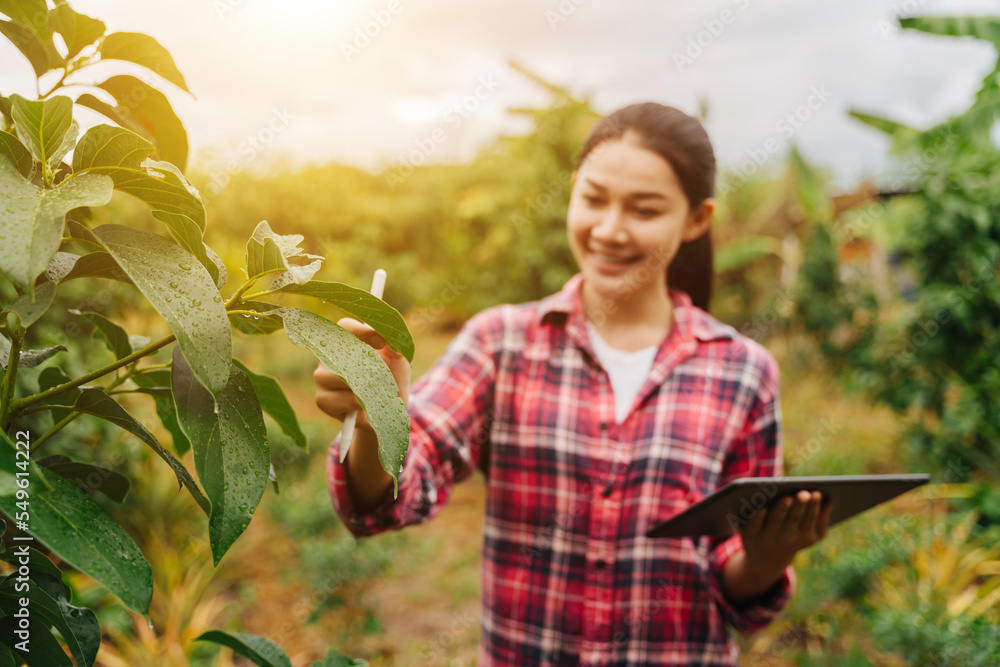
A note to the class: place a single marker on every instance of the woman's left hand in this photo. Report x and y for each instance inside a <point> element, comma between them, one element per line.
<point>773,535</point>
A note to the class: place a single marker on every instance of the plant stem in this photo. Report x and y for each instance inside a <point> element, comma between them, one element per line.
<point>55,391</point>
<point>70,417</point>
<point>55,429</point>
<point>235,298</point>
<point>10,379</point>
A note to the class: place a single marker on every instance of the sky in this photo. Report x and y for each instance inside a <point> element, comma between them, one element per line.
<point>377,82</point>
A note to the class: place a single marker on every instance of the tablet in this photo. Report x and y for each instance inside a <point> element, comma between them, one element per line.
<point>727,510</point>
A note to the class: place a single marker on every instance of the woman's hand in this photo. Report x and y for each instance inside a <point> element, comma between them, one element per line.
<point>771,539</point>
<point>773,535</point>
<point>367,482</point>
<point>335,398</point>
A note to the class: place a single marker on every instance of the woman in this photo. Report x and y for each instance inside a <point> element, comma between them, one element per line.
<point>596,413</point>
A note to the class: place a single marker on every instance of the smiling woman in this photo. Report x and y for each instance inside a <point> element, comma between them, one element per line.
<point>595,413</point>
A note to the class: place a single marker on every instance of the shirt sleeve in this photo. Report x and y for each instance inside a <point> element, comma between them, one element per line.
<point>450,410</point>
<point>757,454</point>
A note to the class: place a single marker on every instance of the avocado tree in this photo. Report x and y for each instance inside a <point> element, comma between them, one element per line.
<point>209,402</point>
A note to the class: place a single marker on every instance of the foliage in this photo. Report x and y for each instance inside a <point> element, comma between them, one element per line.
<point>207,401</point>
<point>930,356</point>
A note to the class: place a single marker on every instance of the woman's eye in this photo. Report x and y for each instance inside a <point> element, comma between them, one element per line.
<point>647,212</point>
<point>591,200</point>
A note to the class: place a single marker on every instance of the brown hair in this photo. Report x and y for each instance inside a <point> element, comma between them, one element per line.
<point>683,143</point>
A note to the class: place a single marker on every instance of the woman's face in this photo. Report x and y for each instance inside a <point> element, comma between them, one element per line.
<point>627,217</point>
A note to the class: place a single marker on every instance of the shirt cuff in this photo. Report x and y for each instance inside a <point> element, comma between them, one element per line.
<point>386,515</point>
<point>756,614</point>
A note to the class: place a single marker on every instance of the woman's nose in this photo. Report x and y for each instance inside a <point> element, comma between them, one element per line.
<point>610,226</point>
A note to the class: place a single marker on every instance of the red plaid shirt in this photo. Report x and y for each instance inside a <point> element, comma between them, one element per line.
<point>568,576</point>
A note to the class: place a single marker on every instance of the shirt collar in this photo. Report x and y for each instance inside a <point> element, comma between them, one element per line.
<point>692,322</point>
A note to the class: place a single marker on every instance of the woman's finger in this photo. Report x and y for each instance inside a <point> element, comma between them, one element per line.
<point>808,522</point>
<point>798,507</point>
<point>753,526</point>
<point>363,332</point>
<point>327,379</point>
<point>824,520</point>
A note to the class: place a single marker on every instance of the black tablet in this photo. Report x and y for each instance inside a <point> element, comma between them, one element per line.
<point>727,510</point>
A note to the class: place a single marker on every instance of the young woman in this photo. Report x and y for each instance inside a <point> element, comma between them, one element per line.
<point>596,413</point>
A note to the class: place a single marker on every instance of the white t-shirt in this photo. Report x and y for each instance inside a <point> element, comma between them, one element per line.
<point>627,370</point>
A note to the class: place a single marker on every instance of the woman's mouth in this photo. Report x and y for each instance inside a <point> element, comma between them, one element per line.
<point>607,263</point>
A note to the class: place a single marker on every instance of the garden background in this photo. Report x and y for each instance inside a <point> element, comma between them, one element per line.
<point>880,303</point>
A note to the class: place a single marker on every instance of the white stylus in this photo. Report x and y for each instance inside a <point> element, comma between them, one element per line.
<point>347,433</point>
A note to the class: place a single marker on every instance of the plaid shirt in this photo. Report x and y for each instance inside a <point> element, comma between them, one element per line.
<point>569,577</point>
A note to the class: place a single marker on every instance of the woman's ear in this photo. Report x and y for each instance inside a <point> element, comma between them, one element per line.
<point>699,220</point>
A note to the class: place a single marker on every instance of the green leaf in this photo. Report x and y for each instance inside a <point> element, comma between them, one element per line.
<point>260,650</point>
<point>42,126</point>
<point>29,307</point>
<point>189,235</point>
<point>95,402</point>
<point>77,30</point>
<point>53,376</point>
<point>29,358</point>
<point>79,531</point>
<point>143,106</point>
<point>183,292</point>
<point>32,221</point>
<point>114,336</point>
<point>89,478</point>
<point>135,47</point>
<point>5,112</point>
<point>231,454</point>
<point>250,324</point>
<point>60,266</point>
<point>337,659</point>
<point>28,43</point>
<point>367,376</point>
<point>221,275</point>
<point>270,252</point>
<point>160,379</point>
<point>26,12</point>
<point>122,154</point>
<point>744,251</point>
<point>369,309</point>
<point>810,193</point>
<point>18,155</point>
<point>111,112</point>
<point>980,27</point>
<point>44,610</point>
<point>97,265</point>
<point>38,563</point>
<point>273,401</point>
<point>45,648</point>
<point>898,131</point>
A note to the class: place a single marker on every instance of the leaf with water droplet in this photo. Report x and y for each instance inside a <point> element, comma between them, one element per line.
<point>211,351</point>
<point>76,528</point>
<point>365,373</point>
<point>225,443</point>
<point>37,222</point>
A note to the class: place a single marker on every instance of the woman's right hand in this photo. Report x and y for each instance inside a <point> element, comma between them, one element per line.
<point>335,398</point>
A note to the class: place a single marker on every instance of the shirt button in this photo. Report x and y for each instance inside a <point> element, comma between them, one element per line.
<point>601,564</point>
<point>607,490</point>
<point>604,426</point>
